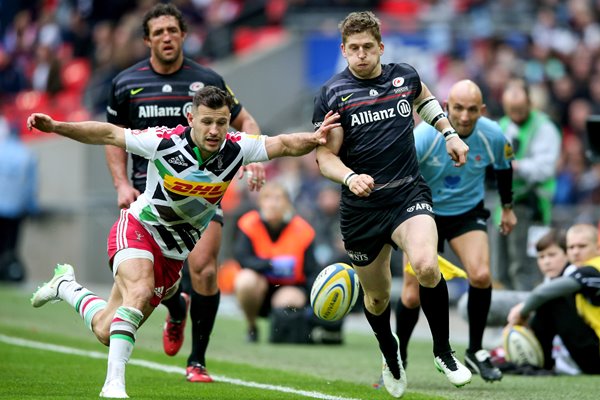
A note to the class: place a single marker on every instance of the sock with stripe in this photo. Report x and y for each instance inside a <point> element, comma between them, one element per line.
<point>122,339</point>
<point>85,302</point>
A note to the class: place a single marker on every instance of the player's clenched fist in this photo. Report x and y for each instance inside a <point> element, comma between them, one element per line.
<point>457,149</point>
<point>41,122</point>
<point>361,185</point>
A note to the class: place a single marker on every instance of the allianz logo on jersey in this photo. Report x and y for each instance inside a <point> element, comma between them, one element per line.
<point>156,111</point>
<point>403,109</point>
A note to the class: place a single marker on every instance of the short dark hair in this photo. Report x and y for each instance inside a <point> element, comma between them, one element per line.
<point>553,237</point>
<point>358,22</point>
<point>163,9</point>
<point>519,84</point>
<point>212,97</point>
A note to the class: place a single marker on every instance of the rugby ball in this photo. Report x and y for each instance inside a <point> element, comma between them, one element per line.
<point>334,292</point>
<point>522,347</point>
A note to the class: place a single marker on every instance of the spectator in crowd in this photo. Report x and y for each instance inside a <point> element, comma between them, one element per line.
<point>568,305</point>
<point>536,143</point>
<point>275,248</point>
<point>18,198</point>
<point>326,221</point>
<point>12,78</point>
<point>552,261</point>
<point>46,75</point>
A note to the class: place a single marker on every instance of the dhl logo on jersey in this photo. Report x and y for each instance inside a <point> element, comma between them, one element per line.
<point>211,192</point>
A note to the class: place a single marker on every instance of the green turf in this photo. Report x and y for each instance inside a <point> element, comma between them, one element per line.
<point>348,370</point>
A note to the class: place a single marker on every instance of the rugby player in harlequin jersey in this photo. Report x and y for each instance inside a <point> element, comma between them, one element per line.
<point>385,203</point>
<point>184,189</point>
<point>158,92</point>
<point>188,172</point>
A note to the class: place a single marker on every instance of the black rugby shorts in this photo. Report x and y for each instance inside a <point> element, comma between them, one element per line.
<point>366,230</point>
<point>451,226</point>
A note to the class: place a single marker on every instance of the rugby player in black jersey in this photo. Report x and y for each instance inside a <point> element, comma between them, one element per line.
<point>158,91</point>
<point>385,203</point>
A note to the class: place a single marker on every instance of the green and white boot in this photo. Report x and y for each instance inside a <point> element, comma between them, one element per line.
<point>48,292</point>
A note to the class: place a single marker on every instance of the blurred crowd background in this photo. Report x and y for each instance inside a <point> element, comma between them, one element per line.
<point>59,56</point>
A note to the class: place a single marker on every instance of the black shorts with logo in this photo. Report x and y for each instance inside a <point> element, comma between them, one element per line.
<point>451,226</point>
<point>366,230</point>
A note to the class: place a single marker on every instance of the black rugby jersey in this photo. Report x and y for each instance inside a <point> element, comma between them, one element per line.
<point>376,115</point>
<point>589,279</point>
<point>141,98</point>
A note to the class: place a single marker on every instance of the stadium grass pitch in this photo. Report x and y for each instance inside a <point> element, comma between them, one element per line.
<point>75,367</point>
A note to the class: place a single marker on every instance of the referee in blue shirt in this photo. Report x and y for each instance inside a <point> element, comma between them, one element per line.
<point>460,215</point>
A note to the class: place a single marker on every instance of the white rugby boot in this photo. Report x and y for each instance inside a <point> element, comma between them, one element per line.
<point>48,292</point>
<point>395,387</point>
<point>447,364</point>
<point>114,389</point>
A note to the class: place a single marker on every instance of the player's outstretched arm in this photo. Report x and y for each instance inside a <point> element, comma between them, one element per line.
<point>89,132</point>
<point>298,144</point>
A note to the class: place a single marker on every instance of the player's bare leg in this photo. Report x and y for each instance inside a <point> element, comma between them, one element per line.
<point>134,280</point>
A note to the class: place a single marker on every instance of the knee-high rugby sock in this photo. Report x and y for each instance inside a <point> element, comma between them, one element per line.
<point>122,339</point>
<point>383,333</point>
<point>203,312</point>
<point>176,306</point>
<point>406,320</point>
<point>478,307</point>
<point>434,302</point>
<point>86,303</point>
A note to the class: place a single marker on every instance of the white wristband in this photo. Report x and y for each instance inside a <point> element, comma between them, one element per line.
<point>347,178</point>
<point>449,134</point>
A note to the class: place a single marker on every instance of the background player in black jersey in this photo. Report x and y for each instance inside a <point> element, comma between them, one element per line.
<point>158,91</point>
<point>385,202</point>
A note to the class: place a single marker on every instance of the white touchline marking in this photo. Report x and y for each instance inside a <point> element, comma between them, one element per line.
<point>164,368</point>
